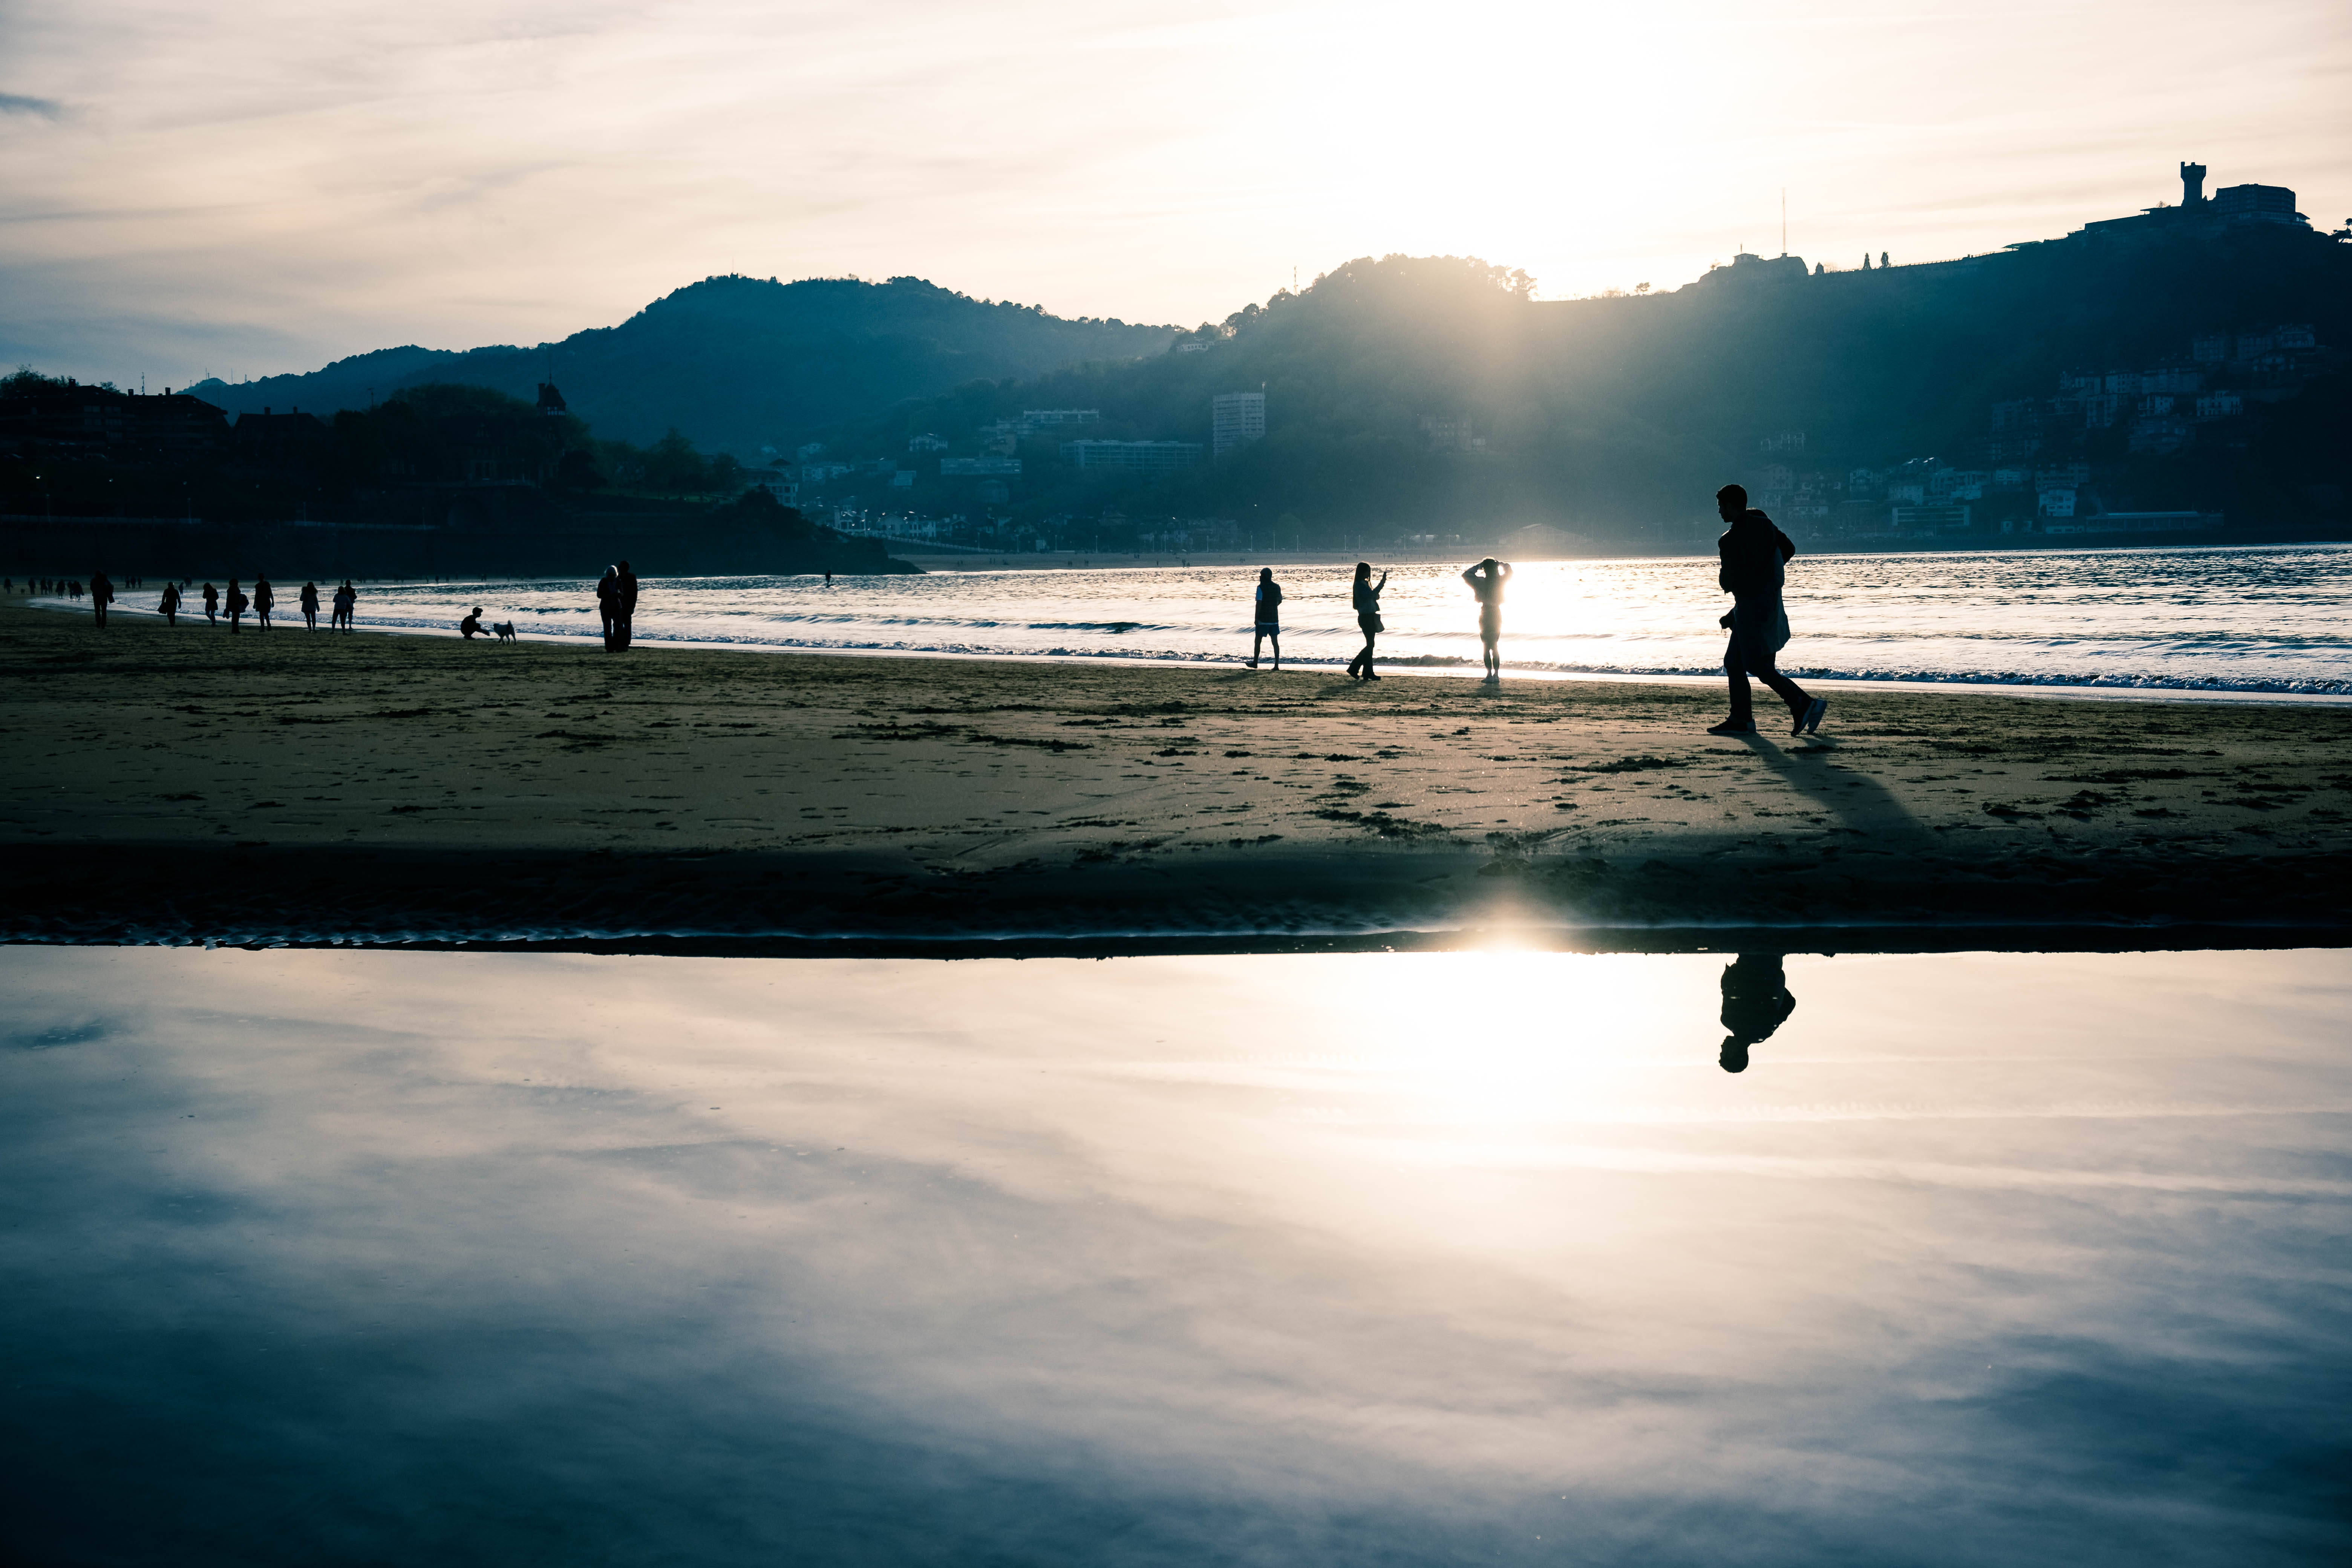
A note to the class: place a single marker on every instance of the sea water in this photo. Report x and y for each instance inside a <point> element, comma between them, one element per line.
<point>2273,618</point>
<point>2001,1260</point>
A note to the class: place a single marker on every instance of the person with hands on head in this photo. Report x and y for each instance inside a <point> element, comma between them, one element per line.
<point>1366,597</point>
<point>1486,580</point>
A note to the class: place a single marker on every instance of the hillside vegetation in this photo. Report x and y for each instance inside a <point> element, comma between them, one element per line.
<point>1435,393</point>
<point>735,362</point>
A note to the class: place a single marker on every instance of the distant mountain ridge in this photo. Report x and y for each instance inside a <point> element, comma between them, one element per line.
<point>736,363</point>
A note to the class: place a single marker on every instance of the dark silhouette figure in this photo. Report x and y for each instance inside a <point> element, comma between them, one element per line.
<point>1368,616</point>
<point>171,604</point>
<point>1754,554</point>
<point>310,606</point>
<point>1269,616</point>
<point>1756,1001</point>
<point>101,593</point>
<point>608,602</point>
<point>828,577</point>
<point>471,626</point>
<point>345,597</point>
<point>212,606</point>
<point>624,610</point>
<point>263,600</point>
<point>235,605</point>
<point>1486,580</point>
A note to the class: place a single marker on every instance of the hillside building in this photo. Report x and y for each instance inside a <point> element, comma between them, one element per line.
<point>1055,421</point>
<point>1143,457</point>
<point>1235,419</point>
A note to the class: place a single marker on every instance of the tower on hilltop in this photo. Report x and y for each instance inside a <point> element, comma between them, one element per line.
<point>2192,183</point>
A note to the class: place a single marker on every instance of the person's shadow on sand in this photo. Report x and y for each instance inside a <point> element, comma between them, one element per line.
<point>1841,792</point>
<point>1756,1002</point>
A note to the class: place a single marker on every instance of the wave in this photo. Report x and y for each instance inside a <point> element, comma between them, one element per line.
<point>2310,686</point>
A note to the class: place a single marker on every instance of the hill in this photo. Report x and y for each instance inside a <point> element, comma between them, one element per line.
<point>1435,394</point>
<point>734,362</point>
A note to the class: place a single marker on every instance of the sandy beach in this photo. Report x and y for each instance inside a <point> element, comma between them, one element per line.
<point>184,784</point>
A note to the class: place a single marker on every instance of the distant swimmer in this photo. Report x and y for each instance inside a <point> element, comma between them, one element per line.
<point>212,606</point>
<point>1269,616</point>
<point>1367,597</point>
<point>310,605</point>
<point>101,593</point>
<point>170,607</point>
<point>1756,1001</point>
<point>1754,554</point>
<point>1486,580</point>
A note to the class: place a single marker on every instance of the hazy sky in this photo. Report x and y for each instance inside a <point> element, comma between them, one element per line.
<point>264,186</point>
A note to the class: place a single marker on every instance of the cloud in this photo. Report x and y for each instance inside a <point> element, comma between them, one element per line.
<point>459,172</point>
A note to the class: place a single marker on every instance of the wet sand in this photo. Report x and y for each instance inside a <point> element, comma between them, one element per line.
<point>184,784</point>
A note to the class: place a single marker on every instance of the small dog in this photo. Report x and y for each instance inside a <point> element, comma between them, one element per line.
<point>503,630</point>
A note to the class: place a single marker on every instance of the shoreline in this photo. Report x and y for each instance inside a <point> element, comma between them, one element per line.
<point>401,789</point>
<point>1464,668</point>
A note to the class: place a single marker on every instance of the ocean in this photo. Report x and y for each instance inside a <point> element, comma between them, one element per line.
<point>2268,619</point>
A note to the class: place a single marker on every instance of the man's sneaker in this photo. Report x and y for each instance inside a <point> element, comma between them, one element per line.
<point>1731,727</point>
<point>1811,716</point>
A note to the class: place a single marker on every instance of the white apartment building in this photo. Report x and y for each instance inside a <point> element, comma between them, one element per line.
<point>1150,456</point>
<point>1235,419</point>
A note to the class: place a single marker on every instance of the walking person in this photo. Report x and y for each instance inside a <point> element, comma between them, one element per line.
<point>171,604</point>
<point>608,602</point>
<point>310,606</point>
<point>212,606</point>
<point>1368,617</point>
<point>345,597</point>
<point>262,600</point>
<point>1269,616</point>
<point>1486,580</point>
<point>1754,554</point>
<point>1756,1001</point>
<point>235,605</point>
<point>624,613</point>
<point>101,593</point>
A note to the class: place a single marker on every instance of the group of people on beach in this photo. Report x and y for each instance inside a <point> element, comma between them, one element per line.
<point>1752,559</point>
<point>1485,580</point>
<point>235,605</point>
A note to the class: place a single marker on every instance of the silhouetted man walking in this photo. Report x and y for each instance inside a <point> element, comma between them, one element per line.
<point>101,593</point>
<point>1756,1001</point>
<point>1755,553</point>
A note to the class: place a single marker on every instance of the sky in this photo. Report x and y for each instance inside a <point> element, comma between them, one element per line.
<point>262,188</point>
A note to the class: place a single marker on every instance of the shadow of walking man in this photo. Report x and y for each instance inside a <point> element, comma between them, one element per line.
<point>1854,799</point>
<point>1756,1001</point>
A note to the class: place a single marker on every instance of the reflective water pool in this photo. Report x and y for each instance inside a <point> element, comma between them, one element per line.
<point>311,1256</point>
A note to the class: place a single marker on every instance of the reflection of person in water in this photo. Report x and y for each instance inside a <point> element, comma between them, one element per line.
<point>1756,1001</point>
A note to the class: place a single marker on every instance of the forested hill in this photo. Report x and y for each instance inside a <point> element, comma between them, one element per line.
<point>1436,395</point>
<point>735,362</point>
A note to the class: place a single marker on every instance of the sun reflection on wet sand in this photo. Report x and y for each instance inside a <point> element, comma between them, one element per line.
<point>1371,1258</point>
